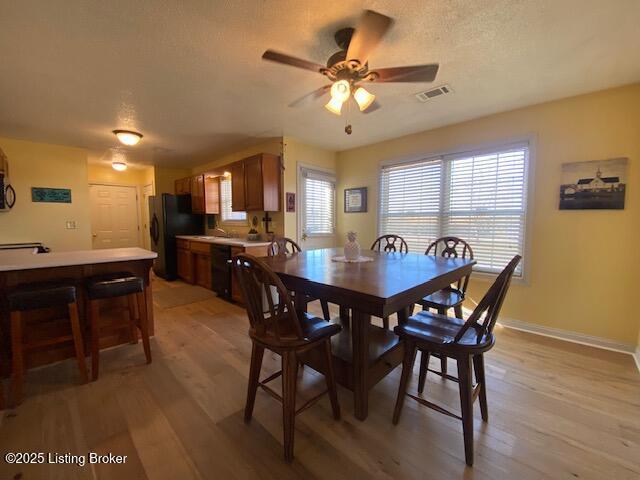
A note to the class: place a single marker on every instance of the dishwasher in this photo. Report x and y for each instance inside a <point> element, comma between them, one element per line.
<point>221,270</point>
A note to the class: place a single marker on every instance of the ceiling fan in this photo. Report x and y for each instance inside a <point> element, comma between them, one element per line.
<point>348,68</point>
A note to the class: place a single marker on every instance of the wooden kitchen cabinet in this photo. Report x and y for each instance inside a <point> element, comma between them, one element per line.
<point>212,195</point>
<point>203,270</point>
<point>185,262</point>
<point>183,186</point>
<point>236,293</point>
<point>238,202</point>
<point>197,194</point>
<point>255,184</point>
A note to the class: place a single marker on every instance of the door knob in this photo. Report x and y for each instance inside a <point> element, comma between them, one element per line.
<point>94,235</point>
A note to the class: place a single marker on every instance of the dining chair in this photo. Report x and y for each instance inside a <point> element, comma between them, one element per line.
<point>466,342</point>
<point>286,246</point>
<point>392,243</point>
<point>282,330</point>
<point>450,297</point>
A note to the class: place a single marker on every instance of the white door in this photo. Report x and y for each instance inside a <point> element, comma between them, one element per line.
<point>147,191</point>
<point>317,208</point>
<point>114,216</point>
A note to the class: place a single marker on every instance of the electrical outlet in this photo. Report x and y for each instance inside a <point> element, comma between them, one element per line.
<point>71,225</point>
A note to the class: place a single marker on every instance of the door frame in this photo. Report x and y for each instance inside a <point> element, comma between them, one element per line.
<point>138,208</point>
<point>299,189</point>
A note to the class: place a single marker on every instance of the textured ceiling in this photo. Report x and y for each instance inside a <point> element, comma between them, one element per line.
<point>188,74</point>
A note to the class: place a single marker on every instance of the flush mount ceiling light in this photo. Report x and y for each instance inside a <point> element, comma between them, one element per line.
<point>119,166</point>
<point>128,137</point>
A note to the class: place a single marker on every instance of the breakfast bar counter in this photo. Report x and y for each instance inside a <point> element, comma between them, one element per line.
<point>19,268</point>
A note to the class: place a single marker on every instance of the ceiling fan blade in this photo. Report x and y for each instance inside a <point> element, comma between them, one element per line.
<point>416,73</point>
<point>310,97</point>
<point>289,60</point>
<point>370,29</point>
<point>373,107</point>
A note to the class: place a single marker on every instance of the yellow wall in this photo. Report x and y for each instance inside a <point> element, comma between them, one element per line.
<point>42,165</point>
<point>583,264</point>
<point>296,152</point>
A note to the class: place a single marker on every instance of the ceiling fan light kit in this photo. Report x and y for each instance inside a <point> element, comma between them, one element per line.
<point>350,66</point>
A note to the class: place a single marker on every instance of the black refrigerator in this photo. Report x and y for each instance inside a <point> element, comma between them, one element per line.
<point>170,215</point>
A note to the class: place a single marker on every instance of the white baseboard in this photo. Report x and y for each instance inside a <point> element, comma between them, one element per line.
<point>573,337</point>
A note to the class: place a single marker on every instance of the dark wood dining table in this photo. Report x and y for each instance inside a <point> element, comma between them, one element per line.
<point>364,354</point>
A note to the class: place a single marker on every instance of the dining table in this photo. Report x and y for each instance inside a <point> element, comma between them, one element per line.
<point>386,284</point>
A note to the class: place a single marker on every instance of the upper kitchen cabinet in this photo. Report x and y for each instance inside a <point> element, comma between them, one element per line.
<point>204,192</point>
<point>183,186</point>
<point>255,183</point>
<point>237,187</point>
<point>197,194</point>
<point>212,195</point>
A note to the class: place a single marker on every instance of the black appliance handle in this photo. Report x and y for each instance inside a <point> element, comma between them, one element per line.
<point>154,230</point>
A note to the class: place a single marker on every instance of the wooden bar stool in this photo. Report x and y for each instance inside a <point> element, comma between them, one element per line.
<point>281,329</point>
<point>33,297</point>
<point>110,286</point>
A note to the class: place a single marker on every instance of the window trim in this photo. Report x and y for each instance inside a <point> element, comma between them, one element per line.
<point>466,149</point>
<point>231,223</point>
<point>300,166</point>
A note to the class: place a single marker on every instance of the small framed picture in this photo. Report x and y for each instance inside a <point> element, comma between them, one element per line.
<point>291,202</point>
<point>355,200</point>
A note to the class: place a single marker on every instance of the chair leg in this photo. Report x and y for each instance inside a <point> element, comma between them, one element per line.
<point>94,320</point>
<point>325,310</point>
<point>133,318</point>
<point>331,380</point>
<point>289,378</point>
<point>257,352</point>
<point>466,405</point>
<point>144,324</point>
<point>385,323</point>
<point>424,365</point>
<point>17,374</point>
<point>478,366</point>
<point>77,341</point>
<point>458,311</point>
<point>443,358</point>
<point>407,369</point>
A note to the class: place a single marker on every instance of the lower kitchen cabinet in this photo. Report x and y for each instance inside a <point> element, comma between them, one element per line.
<point>203,270</point>
<point>185,264</point>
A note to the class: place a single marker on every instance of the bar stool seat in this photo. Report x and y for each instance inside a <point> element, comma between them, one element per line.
<point>113,285</point>
<point>38,296</point>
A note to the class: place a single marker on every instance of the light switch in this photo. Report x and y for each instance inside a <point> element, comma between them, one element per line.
<point>71,225</point>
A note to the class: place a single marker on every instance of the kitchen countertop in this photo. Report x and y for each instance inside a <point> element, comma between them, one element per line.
<point>234,242</point>
<point>12,260</point>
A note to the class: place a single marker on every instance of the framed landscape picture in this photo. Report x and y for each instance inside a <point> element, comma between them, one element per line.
<point>355,200</point>
<point>598,184</point>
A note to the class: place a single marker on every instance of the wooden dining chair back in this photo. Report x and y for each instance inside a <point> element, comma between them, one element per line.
<point>281,329</point>
<point>452,247</point>
<point>282,246</point>
<point>451,297</point>
<point>270,309</point>
<point>466,342</point>
<point>286,246</point>
<point>389,244</point>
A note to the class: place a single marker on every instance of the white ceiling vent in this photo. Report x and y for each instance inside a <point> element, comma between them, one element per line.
<point>433,93</point>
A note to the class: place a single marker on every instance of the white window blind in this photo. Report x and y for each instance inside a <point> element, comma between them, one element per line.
<point>319,195</point>
<point>477,196</point>
<point>226,214</point>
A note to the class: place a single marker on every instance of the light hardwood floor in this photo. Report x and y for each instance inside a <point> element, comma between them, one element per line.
<point>556,410</point>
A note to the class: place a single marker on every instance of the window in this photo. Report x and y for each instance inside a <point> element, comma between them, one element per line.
<point>319,194</point>
<point>478,196</point>
<point>226,214</point>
